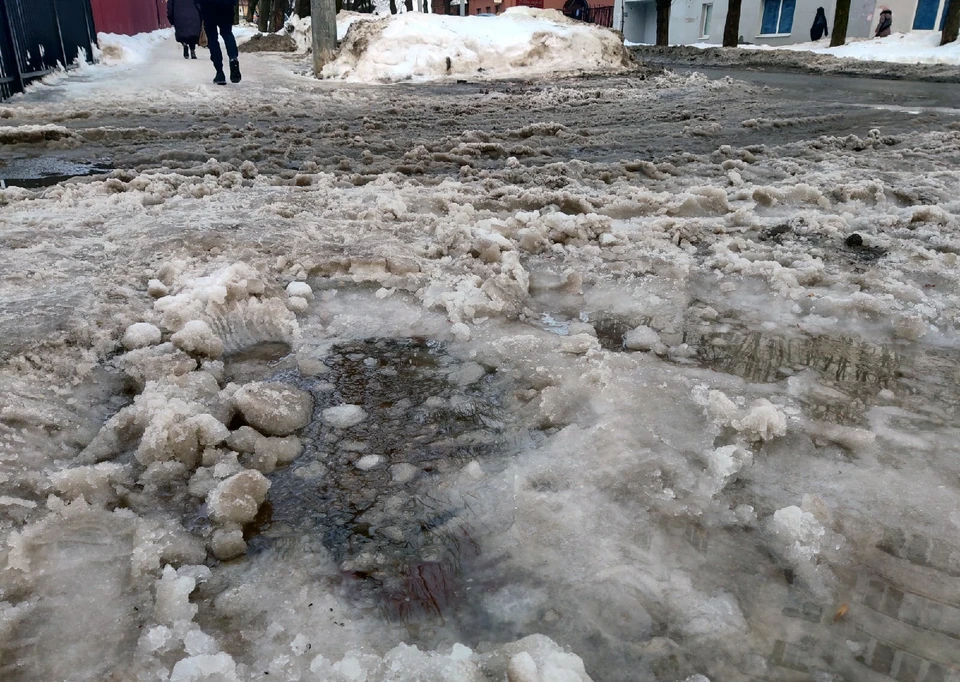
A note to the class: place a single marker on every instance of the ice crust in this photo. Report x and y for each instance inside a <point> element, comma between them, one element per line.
<point>634,487</point>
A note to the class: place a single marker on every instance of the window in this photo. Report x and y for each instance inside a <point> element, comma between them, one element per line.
<point>777,17</point>
<point>706,14</point>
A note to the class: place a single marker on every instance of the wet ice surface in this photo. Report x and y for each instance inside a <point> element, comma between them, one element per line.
<point>42,171</point>
<point>634,388</point>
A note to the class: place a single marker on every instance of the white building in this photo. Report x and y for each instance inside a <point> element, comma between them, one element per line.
<point>768,22</point>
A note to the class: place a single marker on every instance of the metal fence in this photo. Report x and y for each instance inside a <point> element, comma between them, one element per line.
<point>37,36</point>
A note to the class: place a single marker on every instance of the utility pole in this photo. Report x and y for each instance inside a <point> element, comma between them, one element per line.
<point>323,15</point>
<point>463,7</point>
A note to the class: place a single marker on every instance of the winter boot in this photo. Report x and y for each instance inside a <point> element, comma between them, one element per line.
<point>220,79</point>
<point>193,52</point>
<point>234,71</point>
<point>186,51</point>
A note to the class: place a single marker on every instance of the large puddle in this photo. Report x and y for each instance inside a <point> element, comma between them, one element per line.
<point>33,173</point>
<point>395,498</point>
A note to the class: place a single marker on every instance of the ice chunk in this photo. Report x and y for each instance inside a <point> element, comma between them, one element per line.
<point>173,605</point>
<point>461,332</point>
<point>238,498</point>
<point>522,668</point>
<point>641,338</point>
<point>344,416</point>
<point>228,544</point>
<point>97,483</point>
<point>197,642</point>
<point>368,462</point>
<point>800,531</point>
<point>141,335</point>
<point>197,338</point>
<point>300,645</point>
<point>274,408</point>
<point>157,289</point>
<point>244,439</point>
<point>205,668</point>
<point>403,473</point>
<point>300,290</point>
<point>297,304</point>
<point>763,422</point>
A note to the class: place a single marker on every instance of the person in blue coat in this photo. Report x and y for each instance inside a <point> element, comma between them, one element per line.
<point>218,19</point>
<point>184,16</point>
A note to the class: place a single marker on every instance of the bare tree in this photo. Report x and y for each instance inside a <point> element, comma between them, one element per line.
<point>731,28</point>
<point>841,18</point>
<point>951,27</point>
<point>663,22</point>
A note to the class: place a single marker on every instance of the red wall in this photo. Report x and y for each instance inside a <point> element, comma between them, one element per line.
<point>129,17</point>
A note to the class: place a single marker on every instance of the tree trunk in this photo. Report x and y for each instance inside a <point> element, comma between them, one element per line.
<point>266,9</point>
<point>663,22</point>
<point>409,5</point>
<point>251,10</point>
<point>303,8</point>
<point>951,28</point>
<point>731,29</point>
<point>393,6</point>
<point>840,20</point>
<point>279,15</point>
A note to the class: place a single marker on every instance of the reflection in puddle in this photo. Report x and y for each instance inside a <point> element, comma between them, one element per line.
<point>45,171</point>
<point>836,378</point>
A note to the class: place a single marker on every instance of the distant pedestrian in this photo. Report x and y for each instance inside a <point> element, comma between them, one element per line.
<point>184,16</point>
<point>218,18</point>
<point>886,23</point>
<point>819,28</point>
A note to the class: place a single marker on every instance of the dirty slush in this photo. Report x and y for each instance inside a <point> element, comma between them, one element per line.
<point>567,380</point>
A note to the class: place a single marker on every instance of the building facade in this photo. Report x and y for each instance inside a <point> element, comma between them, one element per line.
<point>769,22</point>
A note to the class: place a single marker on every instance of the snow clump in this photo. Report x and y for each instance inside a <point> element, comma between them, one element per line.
<point>141,335</point>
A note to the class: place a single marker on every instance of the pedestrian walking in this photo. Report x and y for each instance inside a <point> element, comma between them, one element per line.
<point>184,16</point>
<point>886,23</point>
<point>819,28</point>
<point>218,21</point>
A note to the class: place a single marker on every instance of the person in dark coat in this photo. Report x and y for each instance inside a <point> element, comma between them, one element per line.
<point>184,16</point>
<point>886,23</point>
<point>819,28</point>
<point>218,18</point>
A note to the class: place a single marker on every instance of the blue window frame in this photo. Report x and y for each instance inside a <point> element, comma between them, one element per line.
<point>926,16</point>
<point>777,16</point>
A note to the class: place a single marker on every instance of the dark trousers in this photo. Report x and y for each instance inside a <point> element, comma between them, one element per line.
<point>218,18</point>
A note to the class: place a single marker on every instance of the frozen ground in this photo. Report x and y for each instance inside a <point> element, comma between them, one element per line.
<point>323,373</point>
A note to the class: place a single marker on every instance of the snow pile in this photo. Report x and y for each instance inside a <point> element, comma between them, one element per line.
<point>521,41</point>
<point>120,50</point>
<point>346,19</point>
<point>915,47</point>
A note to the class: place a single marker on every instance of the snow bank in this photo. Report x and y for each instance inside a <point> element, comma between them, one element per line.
<point>899,48</point>
<point>120,50</point>
<point>521,41</point>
